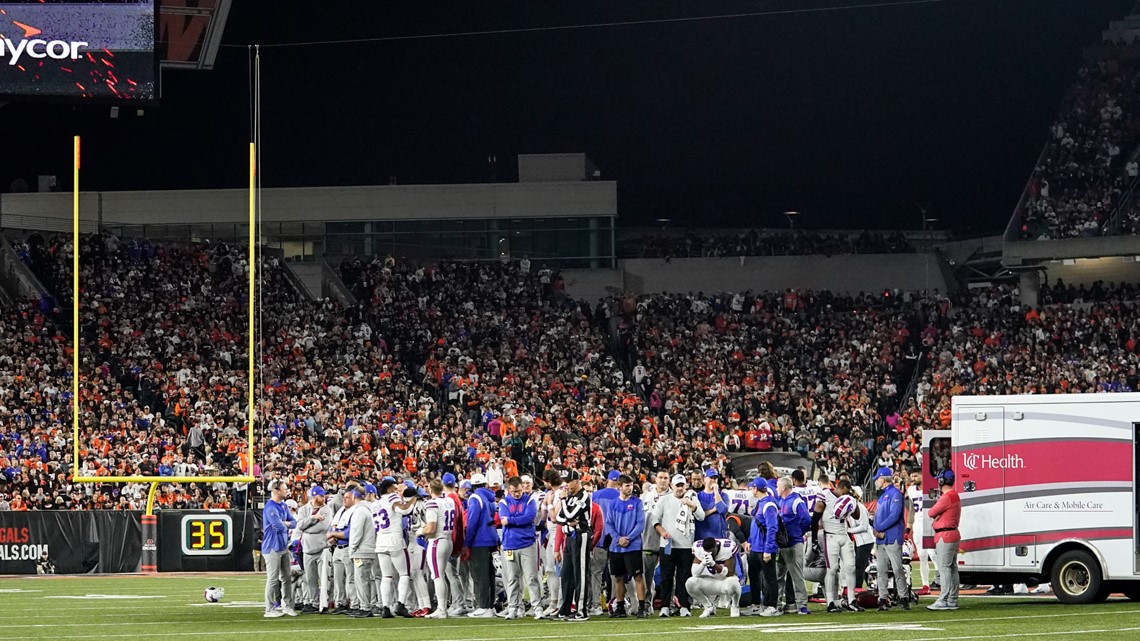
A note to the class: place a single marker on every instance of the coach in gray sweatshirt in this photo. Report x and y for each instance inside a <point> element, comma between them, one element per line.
<point>313,519</point>
<point>362,551</point>
<point>674,518</point>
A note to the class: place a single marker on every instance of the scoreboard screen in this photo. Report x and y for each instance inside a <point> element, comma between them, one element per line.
<point>207,534</point>
<point>80,50</point>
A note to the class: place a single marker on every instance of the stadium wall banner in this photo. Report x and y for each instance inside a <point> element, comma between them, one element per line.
<point>76,542</point>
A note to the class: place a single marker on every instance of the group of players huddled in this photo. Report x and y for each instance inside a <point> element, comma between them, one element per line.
<point>568,549</point>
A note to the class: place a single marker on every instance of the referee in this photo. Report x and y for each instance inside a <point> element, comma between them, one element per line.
<point>575,531</point>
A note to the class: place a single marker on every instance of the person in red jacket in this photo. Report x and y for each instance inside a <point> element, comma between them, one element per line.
<point>947,513</point>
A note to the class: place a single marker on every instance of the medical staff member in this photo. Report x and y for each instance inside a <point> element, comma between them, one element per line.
<point>947,514</point>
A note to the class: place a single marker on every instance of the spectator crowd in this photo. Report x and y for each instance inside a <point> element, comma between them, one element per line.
<point>454,367</point>
<point>1089,162</point>
<point>713,243</point>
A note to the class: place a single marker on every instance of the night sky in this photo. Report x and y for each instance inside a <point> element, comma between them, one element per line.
<point>851,117</point>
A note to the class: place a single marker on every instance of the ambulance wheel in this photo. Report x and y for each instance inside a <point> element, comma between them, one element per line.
<point>1076,578</point>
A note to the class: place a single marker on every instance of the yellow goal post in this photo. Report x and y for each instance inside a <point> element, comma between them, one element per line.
<point>76,478</point>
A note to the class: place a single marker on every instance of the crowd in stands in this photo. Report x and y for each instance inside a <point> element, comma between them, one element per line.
<point>811,372</point>
<point>454,367</point>
<point>1079,340</point>
<point>762,243</point>
<point>1089,161</point>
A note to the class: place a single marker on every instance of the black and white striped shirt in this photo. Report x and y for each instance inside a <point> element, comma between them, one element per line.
<point>574,513</point>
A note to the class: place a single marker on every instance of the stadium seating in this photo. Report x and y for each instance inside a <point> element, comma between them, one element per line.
<point>760,243</point>
<point>456,366</point>
<point>1084,170</point>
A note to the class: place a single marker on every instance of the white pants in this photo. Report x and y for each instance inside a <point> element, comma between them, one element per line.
<point>522,563</point>
<point>438,569</point>
<point>923,556</point>
<point>839,555</point>
<point>394,564</point>
<point>553,576</point>
<point>417,570</point>
<point>707,590</point>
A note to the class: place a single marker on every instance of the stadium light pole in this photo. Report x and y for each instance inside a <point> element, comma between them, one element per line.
<point>791,216</point>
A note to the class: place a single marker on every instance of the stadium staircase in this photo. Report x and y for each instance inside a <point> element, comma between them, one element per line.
<point>316,280</point>
<point>17,282</point>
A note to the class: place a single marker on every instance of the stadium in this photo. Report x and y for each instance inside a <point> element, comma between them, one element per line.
<point>576,321</point>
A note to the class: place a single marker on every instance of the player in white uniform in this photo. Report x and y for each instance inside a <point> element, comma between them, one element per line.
<point>837,547</point>
<point>549,506</point>
<point>922,555</point>
<point>741,501</point>
<point>539,527</point>
<point>439,524</point>
<point>388,513</point>
<point>714,575</point>
<point>417,554</point>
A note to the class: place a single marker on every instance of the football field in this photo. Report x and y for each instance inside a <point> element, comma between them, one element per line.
<point>172,607</point>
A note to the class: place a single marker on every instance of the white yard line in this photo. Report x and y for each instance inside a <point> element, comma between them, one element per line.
<point>1023,634</point>
<point>800,627</point>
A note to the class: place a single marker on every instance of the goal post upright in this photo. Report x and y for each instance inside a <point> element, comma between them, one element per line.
<point>252,294</point>
<point>247,476</point>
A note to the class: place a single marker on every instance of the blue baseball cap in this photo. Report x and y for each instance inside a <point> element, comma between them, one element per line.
<point>410,483</point>
<point>448,478</point>
<point>465,484</point>
<point>317,491</point>
<point>883,473</point>
<point>388,478</point>
<point>613,475</point>
<point>759,483</point>
<point>946,476</point>
<point>370,488</point>
<point>424,493</point>
<point>711,473</point>
<point>355,491</point>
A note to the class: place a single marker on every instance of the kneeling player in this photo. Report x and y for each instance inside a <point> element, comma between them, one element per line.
<point>714,575</point>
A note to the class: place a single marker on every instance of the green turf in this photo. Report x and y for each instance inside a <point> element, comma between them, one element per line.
<point>170,607</point>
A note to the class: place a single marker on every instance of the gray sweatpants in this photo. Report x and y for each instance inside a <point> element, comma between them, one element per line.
<point>521,564</point>
<point>889,554</point>
<point>314,577</point>
<point>792,565</point>
<point>650,560</point>
<point>364,572</point>
<point>598,559</point>
<point>278,576</point>
<point>947,556</point>
<point>344,579</point>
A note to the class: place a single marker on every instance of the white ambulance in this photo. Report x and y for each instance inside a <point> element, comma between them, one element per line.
<point>1049,490</point>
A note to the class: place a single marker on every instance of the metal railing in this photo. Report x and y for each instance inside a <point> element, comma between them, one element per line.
<point>1011,228</point>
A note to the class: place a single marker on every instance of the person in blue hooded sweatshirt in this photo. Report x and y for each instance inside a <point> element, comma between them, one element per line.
<point>888,530</point>
<point>714,502</point>
<point>482,539</point>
